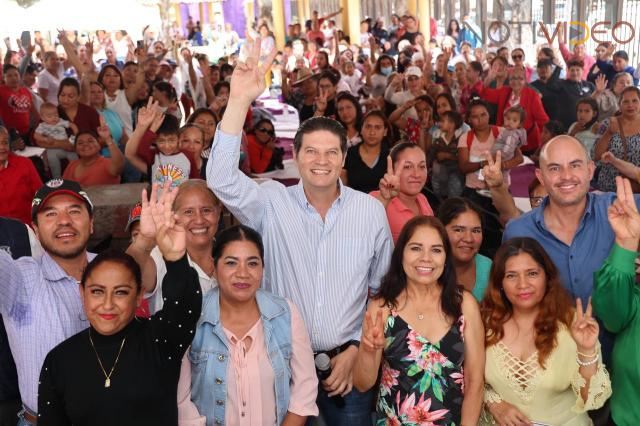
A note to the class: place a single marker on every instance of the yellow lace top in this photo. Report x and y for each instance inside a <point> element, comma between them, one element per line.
<point>549,396</point>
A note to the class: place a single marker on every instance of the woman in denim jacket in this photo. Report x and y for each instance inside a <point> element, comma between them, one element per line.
<point>250,360</point>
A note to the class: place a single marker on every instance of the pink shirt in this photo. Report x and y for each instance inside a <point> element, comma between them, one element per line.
<point>251,399</point>
<point>398,214</point>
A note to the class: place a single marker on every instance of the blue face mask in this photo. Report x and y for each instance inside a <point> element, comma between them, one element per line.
<point>386,70</point>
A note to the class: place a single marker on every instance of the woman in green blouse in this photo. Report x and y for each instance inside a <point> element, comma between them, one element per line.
<point>616,299</point>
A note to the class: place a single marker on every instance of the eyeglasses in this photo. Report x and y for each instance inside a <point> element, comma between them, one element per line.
<point>535,201</point>
<point>413,78</point>
<point>267,131</point>
<point>514,57</point>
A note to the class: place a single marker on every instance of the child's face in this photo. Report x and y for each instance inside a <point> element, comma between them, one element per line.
<point>167,144</point>
<point>50,116</point>
<point>584,113</point>
<point>512,120</point>
<point>348,68</point>
<point>446,125</point>
<point>160,96</point>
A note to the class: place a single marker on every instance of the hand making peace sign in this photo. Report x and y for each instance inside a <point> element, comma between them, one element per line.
<point>624,217</point>
<point>390,182</point>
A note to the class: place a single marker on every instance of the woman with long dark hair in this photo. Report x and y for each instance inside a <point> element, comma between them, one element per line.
<point>349,114</point>
<point>427,334</point>
<point>365,163</point>
<point>463,221</point>
<point>543,361</point>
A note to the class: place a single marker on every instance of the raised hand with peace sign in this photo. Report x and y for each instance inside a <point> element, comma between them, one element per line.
<point>624,217</point>
<point>585,329</point>
<point>372,339</point>
<point>492,171</point>
<point>390,182</point>
<point>247,83</point>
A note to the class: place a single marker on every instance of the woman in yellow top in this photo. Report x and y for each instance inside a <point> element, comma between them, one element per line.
<point>543,363</point>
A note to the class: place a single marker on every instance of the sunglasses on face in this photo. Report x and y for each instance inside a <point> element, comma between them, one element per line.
<point>267,131</point>
<point>514,57</point>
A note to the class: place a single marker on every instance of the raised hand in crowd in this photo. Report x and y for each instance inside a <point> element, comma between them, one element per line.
<point>624,217</point>
<point>584,331</point>
<point>247,83</point>
<point>601,84</point>
<point>390,182</point>
<point>500,195</point>
<point>321,103</point>
<point>158,222</point>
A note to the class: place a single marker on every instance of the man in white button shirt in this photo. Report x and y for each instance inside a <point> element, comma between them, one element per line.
<point>326,245</point>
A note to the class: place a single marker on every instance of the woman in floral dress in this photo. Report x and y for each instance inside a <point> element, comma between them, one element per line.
<point>426,332</point>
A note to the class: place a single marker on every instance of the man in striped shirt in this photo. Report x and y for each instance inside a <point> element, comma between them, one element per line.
<point>326,245</point>
<point>39,297</point>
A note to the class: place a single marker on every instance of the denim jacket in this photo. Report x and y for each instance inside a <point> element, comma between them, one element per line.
<point>209,355</point>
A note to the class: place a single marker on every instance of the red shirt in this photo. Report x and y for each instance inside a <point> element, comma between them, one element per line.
<point>15,108</point>
<point>259,155</point>
<point>19,182</point>
<point>535,115</point>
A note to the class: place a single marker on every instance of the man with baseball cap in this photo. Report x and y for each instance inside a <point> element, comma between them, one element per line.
<point>39,297</point>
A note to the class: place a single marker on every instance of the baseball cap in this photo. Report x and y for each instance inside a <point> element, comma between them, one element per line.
<point>58,187</point>
<point>134,216</point>
<point>415,71</point>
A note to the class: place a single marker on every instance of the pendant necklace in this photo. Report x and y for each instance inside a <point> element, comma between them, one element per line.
<point>107,377</point>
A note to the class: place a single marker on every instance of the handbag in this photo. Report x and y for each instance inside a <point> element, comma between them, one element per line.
<point>635,185</point>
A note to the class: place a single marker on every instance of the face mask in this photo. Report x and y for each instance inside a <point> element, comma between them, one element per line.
<point>386,70</point>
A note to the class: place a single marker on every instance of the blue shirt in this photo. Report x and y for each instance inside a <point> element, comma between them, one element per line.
<point>589,248</point>
<point>325,267</point>
<point>41,307</point>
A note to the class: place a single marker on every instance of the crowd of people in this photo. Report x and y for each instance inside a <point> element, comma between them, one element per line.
<point>397,283</point>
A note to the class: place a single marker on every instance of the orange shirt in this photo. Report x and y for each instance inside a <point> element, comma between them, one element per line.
<point>259,155</point>
<point>97,174</point>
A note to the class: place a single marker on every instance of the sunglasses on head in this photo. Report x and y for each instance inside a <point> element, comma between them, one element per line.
<point>267,131</point>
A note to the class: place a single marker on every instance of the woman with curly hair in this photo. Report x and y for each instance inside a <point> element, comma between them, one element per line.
<point>543,361</point>
<point>427,334</point>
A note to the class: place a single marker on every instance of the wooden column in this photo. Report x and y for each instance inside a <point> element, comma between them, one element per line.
<point>279,27</point>
<point>424,18</point>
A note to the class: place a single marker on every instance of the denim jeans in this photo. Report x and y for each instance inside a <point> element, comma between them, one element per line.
<point>356,411</point>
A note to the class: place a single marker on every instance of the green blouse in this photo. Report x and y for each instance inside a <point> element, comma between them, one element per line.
<point>616,297</point>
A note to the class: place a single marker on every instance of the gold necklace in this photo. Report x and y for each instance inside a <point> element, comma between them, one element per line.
<point>107,377</point>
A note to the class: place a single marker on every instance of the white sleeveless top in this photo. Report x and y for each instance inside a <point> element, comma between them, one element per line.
<point>121,106</point>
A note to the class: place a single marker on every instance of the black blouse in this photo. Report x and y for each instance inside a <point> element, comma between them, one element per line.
<point>144,383</point>
<point>360,176</point>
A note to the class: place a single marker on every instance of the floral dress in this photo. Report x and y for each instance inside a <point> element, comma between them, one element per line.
<point>422,382</point>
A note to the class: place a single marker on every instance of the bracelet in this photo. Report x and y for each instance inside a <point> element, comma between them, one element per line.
<point>595,352</point>
<point>588,363</point>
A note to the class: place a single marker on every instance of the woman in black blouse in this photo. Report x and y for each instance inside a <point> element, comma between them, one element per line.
<point>366,163</point>
<point>124,370</point>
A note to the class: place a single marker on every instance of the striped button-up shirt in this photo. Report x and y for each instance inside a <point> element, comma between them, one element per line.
<point>325,267</point>
<point>41,307</point>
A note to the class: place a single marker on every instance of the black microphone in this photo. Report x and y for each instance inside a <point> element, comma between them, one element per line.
<point>323,367</point>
